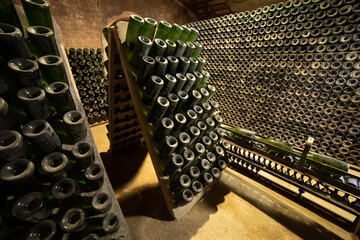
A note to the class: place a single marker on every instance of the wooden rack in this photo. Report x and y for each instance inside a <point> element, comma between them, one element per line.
<point>117,47</point>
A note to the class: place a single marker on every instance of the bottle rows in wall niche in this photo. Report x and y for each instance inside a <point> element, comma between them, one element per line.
<point>92,84</point>
<point>47,169</point>
<point>291,71</point>
<point>170,75</point>
<point>241,158</point>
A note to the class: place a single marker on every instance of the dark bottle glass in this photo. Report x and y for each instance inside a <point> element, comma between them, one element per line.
<point>12,146</point>
<point>179,122</point>
<point>12,43</point>
<point>43,41</point>
<point>158,109</point>
<point>206,179</point>
<point>75,125</point>
<point>183,197</point>
<point>170,49</point>
<point>188,156</point>
<point>94,177</point>
<point>19,176</point>
<point>83,154</point>
<point>210,124</point>
<point>199,150</point>
<point>32,207</point>
<point>160,66</point>
<point>66,192</point>
<point>176,162</point>
<point>74,220</point>
<point>172,65</point>
<point>193,35</point>
<point>145,70</point>
<point>55,165</point>
<point>204,97</point>
<point>169,83</point>
<point>194,98</point>
<point>25,72</point>
<point>168,147</point>
<point>180,81</point>
<point>3,86</point>
<point>179,182</point>
<point>158,48</point>
<point>203,165</point>
<point>52,69</point>
<point>183,65</point>
<point>221,164</point>
<point>201,64</point>
<point>101,202</point>
<point>38,13</point>
<point>91,236</point>
<point>60,96</point>
<point>9,15</point>
<point>197,50</point>
<point>189,49</point>
<point>102,226</point>
<point>196,187</point>
<point>185,34</point>
<point>133,31</point>
<point>216,173</point>
<point>193,65</point>
<point>41,134</point>
<point>164,128</point>
<point>191,118</point>
<point>189,82</point>
<point>7,118</point>
<point>152,89</point>
<point>173,100</point>
<point>194,133</point>
<point>194,172</point>
<point>142,49</point>
<point>45,230</point>
<point>183,97</point>
<point>163,30</point>
<point>180,49</point>
<point>183,141</point>
<point>211,157</point>
<point>202,127</point>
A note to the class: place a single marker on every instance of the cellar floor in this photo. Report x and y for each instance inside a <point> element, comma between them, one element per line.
<point>236,208</point>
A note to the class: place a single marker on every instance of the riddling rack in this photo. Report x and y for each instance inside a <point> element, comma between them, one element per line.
<point>117,46</point>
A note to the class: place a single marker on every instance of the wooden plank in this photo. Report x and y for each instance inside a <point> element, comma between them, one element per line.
<point>176,212</point>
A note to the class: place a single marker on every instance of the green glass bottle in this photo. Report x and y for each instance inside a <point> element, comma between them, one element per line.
<point>43,41</point>
<point>133,31</point>
<point>38,13</point>
<point>83,154</point>
<point>185,34</point>
<point>55,166</point>
<point>142,48</point>
<point>52,69</point>
<point>242,131</point>
<point>149,28</point>
<point>175,32</point>
<point>25,72</point>
<point>163,30</point>
<point>197,50</point>
<point>279,144</point>
<point>9,15</point>
<point>12,43</point>
<point>193,35</point>
<point>60,97</point>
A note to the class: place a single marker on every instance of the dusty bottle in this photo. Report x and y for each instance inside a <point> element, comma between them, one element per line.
<point>25,72</point>
<point>52,69</point>
<point>43,41</point>
<point>60,97</point>
<point>35,102</point>
<point>163,30</point>
<point>12,146</point>
<point>12,43</point>
<point>75,125</point>
<point>133,30</point>
<point>38,13</point>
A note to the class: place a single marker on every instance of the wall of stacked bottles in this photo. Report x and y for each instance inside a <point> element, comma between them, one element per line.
<point>290,71</point>
<point>53,183</point>
<point>88,71</point>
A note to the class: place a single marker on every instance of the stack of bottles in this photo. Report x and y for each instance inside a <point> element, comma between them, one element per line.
<point>172,82</point>
<point>46,192</point>
<point>88,71</point>
<point>290,70</point>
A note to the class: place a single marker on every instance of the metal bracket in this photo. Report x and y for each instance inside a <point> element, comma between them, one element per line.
<point>307,147</point>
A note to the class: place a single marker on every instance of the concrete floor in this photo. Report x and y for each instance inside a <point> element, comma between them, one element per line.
<point>236,208</point>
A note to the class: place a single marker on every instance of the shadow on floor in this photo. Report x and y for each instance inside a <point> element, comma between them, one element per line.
<point>121,167</point>
<point>296,222</point>
<point>148,201</point>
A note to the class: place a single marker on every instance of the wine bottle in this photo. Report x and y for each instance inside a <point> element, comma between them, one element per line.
<point>25,72</point>
<point>65,192</point>
<point>42,40</point>
<point>38,13</point>
<point>163,30</point>
<point>180,182</point>
<point>133,31</point>
<point>74,220</point>
<point>142,48</point>
<point>163,129</point>
<point>46,229</point>
<point>183,197</point>
<point>168,147</point>
<point>52,69</point>
<point>158,109</point>
<point>55,166</point>
<point>75,125</point>
<point>158,48</point>
<point>12,43</point>
<point>196,187</point>
<point>175,32</point>
<point>83,154</point>
<point>145,70</point>
<point>94,177</point>
<point>12,146</point>
<point>19,176</point>
<point>176,162</point>
<point>149,28</point>
<point>60,97</point>
<point>40,133</point>
<point>9,15</point>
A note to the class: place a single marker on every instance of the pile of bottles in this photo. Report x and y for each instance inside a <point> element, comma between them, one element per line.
<point>50,181</point>
<point>185,120</point>
<point>88,71</point>
<point>289,71</point>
